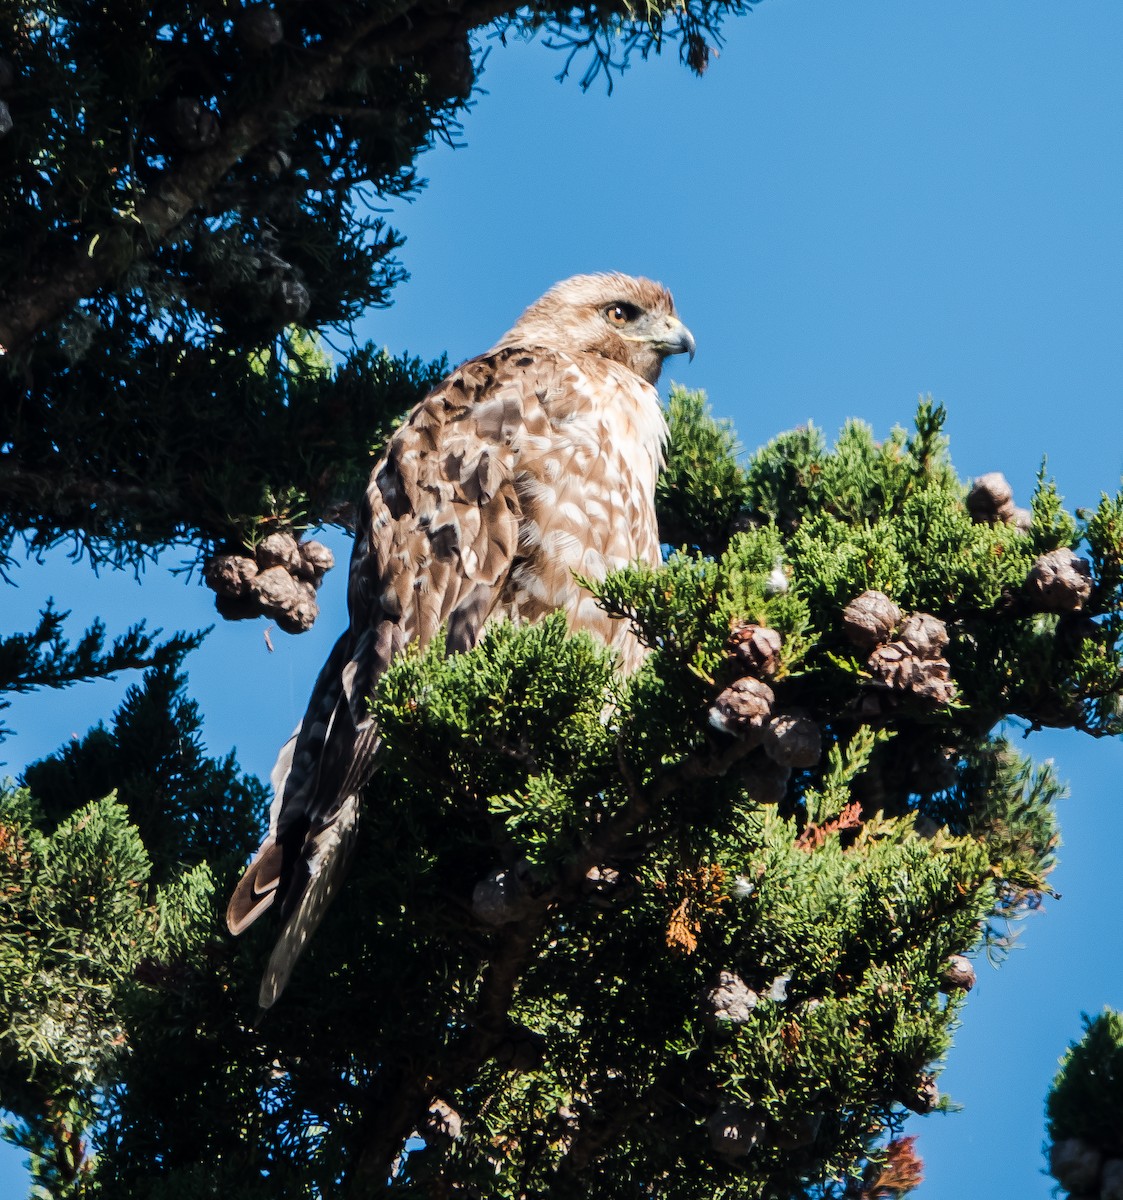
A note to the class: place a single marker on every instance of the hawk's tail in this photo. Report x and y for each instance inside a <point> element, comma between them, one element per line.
<point>326,859</point>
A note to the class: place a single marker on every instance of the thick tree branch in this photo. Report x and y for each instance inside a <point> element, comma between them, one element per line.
<point>79,271</point>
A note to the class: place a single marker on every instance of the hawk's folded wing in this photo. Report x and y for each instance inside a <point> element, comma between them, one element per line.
<point>436,541</point>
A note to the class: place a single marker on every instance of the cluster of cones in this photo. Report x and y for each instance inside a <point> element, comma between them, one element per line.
<point>279,581</point>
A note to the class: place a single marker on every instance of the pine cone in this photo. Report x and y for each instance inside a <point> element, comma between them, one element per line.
<point>1075,1164</point>
<point>260,28</point>
<point>743,708</point>
<point>958,975</point>
<point>315,561</point>
<point>792,740</point>
<point>279,550</point>
<point>766,781</point>
<point>924,1097</point>
<point>194,125</point>
<point>933,769</point>
<point>801,1131</point>
<point>230,574</point>
<point>925,635</point>
<point>734,1131</point>
<point>1023,520</point>
<point>896,667</point>
<point>1060,581</point>
<point>607,887</point>
<point>754,649</point>
<point>521,1050</point>
<point>290,602</point>
<point>291,301</point>
<point>729,1003</point>
<point>6,122</point>
<point>991,500</point>
<point>277,161</point>
<point>501,898</point>
<point>442,1121</point>
<point>869,619</point>
<point>1111,1181</point>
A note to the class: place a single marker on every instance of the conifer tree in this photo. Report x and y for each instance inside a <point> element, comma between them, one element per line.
<point>702,932</point>
<point>1085,1112</point>
<point>185,186</point>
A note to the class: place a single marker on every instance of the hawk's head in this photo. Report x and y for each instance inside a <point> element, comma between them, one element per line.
<point>631,321</point>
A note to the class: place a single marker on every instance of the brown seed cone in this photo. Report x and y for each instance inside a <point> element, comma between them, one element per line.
<point>442,1121</point>
<point>869,619</point>
<point>1023,520</point>
<point>291,300</point>
<point>279,550</point>
<point>766,781</point>
<point>230,574</point>
<point>898,668</point>
<point>925,635</point>
<point>793,740</point>
<point>924,1097</point>
<point>934,769</point>
<point>958,975</point>
<point>729,1003</point>
<point>801,1131</point>
<point>991,500</point>
<point>237,608</point>
<point>754,649</point>
<point>607,887</point>
<point>260,28</point>
<point>290,602</point>
<point>743,708</point>
<point>1111,1180</point>
<point>1075,1164</point>
<point>1060,581</point>
<point>521,1050</point>
<point>194,125</point>
<point>734,1131</point>
<point>501,898</point>
<point>315,561</point>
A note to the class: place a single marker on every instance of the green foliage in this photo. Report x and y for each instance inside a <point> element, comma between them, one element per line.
<point>559,868</point>
<point>78,917</point>
<point>1086,1099</point>
<point>188,808</point>
<point>191,186</point>
<point>44,658</point>
<point>701,493</point>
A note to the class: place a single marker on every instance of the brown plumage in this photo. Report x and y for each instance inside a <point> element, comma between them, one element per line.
<point>525,466</point>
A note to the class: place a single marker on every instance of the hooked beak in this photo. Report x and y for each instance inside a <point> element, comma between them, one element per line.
<point>670,336</point>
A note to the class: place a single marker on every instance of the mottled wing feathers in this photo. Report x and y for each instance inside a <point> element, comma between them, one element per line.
<point>436,540</point>
<point>524,469</point>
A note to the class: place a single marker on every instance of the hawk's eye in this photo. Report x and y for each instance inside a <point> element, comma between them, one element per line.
<point>621,313</point>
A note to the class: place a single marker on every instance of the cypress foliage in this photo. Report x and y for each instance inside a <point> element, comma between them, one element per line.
<point>694,933</point>
<point>187,187</point>
<point>1085,1111</point>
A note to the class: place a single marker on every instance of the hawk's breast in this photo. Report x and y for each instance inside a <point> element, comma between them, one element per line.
<point>588,461</point>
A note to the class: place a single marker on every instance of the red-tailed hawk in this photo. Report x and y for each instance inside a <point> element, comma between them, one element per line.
<point>526,466</point>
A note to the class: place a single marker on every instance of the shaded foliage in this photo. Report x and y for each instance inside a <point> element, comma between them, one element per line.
<point>186,184</point>
<point>560,871</point>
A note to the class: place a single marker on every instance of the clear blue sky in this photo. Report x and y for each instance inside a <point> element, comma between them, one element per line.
<point>857,204</point>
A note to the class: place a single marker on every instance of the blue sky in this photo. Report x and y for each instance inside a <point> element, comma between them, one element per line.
<point>859,203</point>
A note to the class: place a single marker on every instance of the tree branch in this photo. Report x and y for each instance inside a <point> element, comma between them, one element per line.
<point>385,1128</point>
<point>73,274</point>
